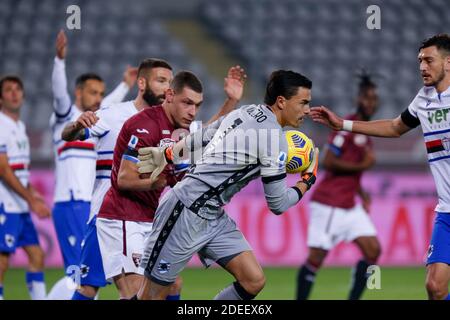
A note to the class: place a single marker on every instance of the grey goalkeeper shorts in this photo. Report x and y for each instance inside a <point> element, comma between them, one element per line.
<point>178,234</point>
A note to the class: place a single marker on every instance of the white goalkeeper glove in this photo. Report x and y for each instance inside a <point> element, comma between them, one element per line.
<point>153,160</point>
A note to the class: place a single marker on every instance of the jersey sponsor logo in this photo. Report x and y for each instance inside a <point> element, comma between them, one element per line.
<point>437,116</point>
<point>22,144</point>
<point>133,142</point>
<point>142,131</point>
<point>163,267</point>
<point>165,131</point>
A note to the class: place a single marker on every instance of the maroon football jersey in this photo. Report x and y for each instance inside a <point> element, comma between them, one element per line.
<point>339,189</point>
<point>148,128</point>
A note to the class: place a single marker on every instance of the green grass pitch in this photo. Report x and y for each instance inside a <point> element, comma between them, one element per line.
<point>331,283</point>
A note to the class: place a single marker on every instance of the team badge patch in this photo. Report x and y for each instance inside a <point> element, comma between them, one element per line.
<point>136,259</point>
<point>133,142</point>
<point>166,142</point>
<point>84,270</point>
<point>163,267</point>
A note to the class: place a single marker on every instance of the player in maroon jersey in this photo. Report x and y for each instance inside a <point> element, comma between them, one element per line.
<point>334,214</point>
<point>125,217</point>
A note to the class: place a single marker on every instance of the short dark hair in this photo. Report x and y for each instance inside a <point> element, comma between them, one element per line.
<point>81,80</point>
<point>151,63</point>
<point>365,81</point>
<point>186,79</point>
<point>10,78</point>
<point>441,41</point>
<point>284,83</point>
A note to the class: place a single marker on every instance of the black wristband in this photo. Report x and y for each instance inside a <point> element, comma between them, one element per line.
<point>309,181</point>
<point>299,192</point>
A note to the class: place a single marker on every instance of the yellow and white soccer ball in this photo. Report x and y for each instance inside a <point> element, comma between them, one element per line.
<point>300,151</point>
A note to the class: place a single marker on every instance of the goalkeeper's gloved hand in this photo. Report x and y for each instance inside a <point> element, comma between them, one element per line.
<point>153,160</point>
<point>310,174</point>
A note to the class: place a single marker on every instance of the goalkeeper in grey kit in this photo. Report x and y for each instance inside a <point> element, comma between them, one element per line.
<point>190,219</point>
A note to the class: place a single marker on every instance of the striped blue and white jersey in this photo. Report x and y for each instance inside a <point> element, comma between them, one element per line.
<point>15,144</point>
<point>432,110</point>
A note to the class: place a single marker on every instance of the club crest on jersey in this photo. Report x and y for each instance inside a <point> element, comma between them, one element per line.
<point>84,269</point>
<point>72,240</point>
<point>133,142</point>
<point>163,267</point>
<point>136,259</point>
<point>166,142</point>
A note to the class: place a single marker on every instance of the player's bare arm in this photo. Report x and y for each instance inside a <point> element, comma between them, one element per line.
<point>334,163</point>
<point>390,128</point>
<point>61,45</point>
<point>129,178</point>
<point>8,177</point>
<point>130,76</point>
<point>234,89</point>
<point>75,130</point>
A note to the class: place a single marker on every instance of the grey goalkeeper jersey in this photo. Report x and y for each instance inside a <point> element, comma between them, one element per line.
<point>234,150</point>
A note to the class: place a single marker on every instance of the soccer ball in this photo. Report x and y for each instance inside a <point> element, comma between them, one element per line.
<point>300,151</point>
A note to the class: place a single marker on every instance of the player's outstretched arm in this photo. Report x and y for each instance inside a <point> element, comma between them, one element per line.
<point>130,179</point>
<point>391,128</point>
<point>9,178</point>
<point>234,89</point>
<point>334,163</point>
<point>61,98</point>
<point>121,91</point>
<point>76,130</point>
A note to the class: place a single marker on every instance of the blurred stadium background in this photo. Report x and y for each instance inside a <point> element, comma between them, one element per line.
<point>326,40</point>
